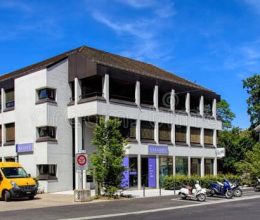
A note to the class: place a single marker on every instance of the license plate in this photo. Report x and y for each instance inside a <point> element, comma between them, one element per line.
<point>28,192</point>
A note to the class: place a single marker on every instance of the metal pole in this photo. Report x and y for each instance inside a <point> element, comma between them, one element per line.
<point>143,190</point>
<point>160,190</point>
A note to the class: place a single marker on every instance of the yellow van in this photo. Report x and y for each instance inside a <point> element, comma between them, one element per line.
<point>15,182</point>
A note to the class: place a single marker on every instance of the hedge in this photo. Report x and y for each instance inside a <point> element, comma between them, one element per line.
<point>176,182</point>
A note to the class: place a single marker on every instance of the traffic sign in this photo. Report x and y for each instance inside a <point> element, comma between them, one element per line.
<point>81,161</point>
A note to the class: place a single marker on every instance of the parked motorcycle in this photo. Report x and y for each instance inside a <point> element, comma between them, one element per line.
<point>236,188</point>
<point>223,189</point>
<point>197,193</point>
<point>257,186</point>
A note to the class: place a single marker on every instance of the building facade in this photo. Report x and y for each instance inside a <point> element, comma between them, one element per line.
<point>49,111</point>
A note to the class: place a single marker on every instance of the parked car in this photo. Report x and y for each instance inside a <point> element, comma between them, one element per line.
<point>15,182</point>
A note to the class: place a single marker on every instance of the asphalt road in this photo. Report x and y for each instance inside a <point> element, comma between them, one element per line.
<point>168,207</point>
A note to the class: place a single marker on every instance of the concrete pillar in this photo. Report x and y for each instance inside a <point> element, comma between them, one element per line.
<point>138,130</point>
<point>173,134</point>
<point>156,132</point>
<point>78,148</point>
<point>214,108</point>
<point>215,138</point>
<point>215,166</point>
<point>202,106</point>
<point>172,102</point>
<point>202,137</point>
<point>189,166</point>
<point>202,167</point>
<point>137,93</point>
<point>139,182</point>
<point>2,109</point>
<point>106,87</point>
<point>173,166</point>
<point>77,90</point>
<point>188,136</point>
<point>187,103</point>
<point>157,172</point>
<point>156,97</point>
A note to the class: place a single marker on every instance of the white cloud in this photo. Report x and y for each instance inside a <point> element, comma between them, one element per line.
<point>142,30</point>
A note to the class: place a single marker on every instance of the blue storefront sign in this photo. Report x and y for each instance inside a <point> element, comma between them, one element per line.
<point>125,179</point>
<point>24,148</point>
<point>158,149</point>
<point>152,172</point>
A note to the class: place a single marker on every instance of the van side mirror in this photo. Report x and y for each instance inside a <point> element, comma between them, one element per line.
<point>29,175</point>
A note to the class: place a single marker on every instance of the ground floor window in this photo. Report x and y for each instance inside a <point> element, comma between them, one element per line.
<point>181,164</point>
<point>209,164</point>
<point>133,172</point>
<point>9,159</point>
<point>195,166</point>
<point>165,167</point>
<point>47,171</point>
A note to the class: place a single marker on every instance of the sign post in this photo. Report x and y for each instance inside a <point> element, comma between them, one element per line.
<point>81,162</point>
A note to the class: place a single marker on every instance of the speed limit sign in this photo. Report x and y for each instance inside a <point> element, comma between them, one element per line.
<point>81,161</point>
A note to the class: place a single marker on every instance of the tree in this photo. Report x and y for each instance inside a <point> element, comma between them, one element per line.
<point>252,86</point>
<point>225,113</point>
<point>251,164</point>
<point>107,161</point>
<point>237,143</point>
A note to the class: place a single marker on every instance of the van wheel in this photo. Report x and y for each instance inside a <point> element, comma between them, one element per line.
<point>7,196</point>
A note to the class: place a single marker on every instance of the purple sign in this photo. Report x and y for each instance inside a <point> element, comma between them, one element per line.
<point>152,172</point>
<point>125,179</point>
<point>24,148</point>
<point>158,149</point>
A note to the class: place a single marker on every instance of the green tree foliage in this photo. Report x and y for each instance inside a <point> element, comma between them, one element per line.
<point>251,164</point>
<point>252,86</point>
<point>225,113</point>
<point>237,143</point>
<point>108,158</point>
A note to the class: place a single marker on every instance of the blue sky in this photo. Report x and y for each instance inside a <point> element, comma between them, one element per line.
<point>215,43</point>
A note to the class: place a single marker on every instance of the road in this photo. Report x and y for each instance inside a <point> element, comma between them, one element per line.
<point>167,207</point>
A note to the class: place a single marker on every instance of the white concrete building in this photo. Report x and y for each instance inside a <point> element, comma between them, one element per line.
<point>49,110</point>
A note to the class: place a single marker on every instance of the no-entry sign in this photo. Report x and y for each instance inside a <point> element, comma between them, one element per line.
<point>81,160</point>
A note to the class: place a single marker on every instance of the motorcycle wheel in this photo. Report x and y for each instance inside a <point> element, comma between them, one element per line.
<point>182,196</point>
<point>238,193</point>
<point>256,189</point>
<point>211,193</point>
<point>229,194</point>
<point>201,197</point>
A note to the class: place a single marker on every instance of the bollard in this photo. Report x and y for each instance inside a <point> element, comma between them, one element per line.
<point>160,190</point>
<point>143,190</point>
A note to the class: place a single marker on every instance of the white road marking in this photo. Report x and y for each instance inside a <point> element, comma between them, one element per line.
<point>163,209</point>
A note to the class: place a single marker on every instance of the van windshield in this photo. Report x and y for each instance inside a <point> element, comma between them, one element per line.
<point>14,172</point>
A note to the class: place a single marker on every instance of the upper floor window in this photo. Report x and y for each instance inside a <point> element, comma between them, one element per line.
<point>147,130</point>
<point>9,98</point>
<point>195,135</point>
<point>208,137</point>
<point>46,94</point>
<point>10,133</point>
<point>128,128</point>
<point>164,132</point>
<point>46,133</point>
<point>180,134</point>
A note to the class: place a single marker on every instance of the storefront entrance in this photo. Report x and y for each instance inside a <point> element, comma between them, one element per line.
<point>148,172</point>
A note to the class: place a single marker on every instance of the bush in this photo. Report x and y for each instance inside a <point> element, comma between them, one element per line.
<point>176,182</point>
<point>110,191</point>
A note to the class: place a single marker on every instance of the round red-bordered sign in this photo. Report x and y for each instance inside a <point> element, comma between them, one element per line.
<point>82,160</point>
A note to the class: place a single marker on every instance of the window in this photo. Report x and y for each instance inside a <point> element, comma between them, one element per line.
<point>0,134</point>
<point>9,98</point>
<point>14,172</point>
<point>46,133</point>
<point>195,166</point>
<point>47,171</point>
<point>91,87</point>
<point>10,133</point>
<point>181,164</point>
<point>195,135</point>
<point>209,166</point>
<point>208,137</point>
<point>147,130</point>
<point>128,128</point>
<point>180,134</point>
<point>46,94</point>
<point>165,132</point>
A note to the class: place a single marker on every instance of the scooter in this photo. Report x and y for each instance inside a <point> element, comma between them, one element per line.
<point>223,189</point>
<point>236,189</point>
<point>257,186</point>
<point>197,193</point>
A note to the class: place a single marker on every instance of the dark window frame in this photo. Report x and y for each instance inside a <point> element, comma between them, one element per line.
<point>47,171</point>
